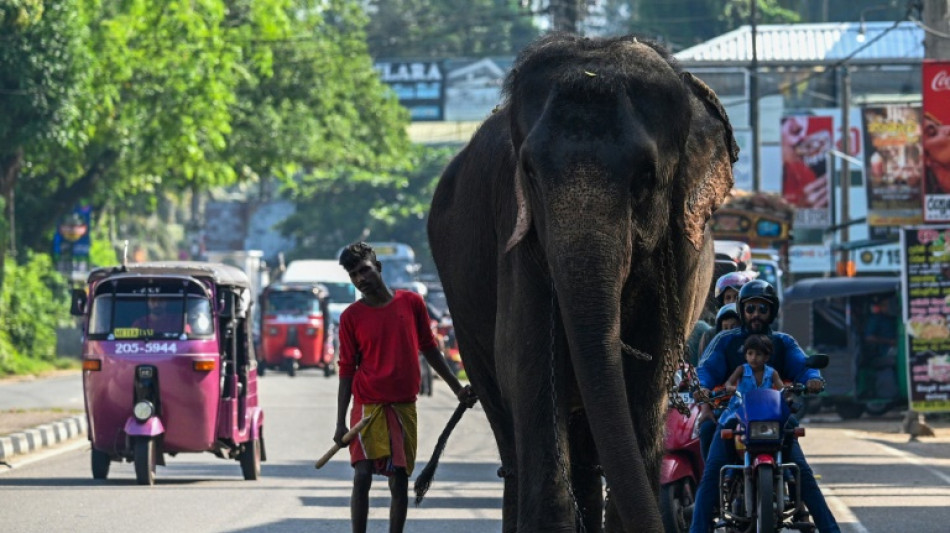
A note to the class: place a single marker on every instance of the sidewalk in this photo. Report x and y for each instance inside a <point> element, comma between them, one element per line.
<point>26,440</point>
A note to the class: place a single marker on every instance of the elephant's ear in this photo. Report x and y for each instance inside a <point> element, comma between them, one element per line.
<point>710,152</point>
<point>523,219</point>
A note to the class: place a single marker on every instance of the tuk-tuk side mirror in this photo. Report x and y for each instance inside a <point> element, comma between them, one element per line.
<point>819,360</point>
<point>77,306</point>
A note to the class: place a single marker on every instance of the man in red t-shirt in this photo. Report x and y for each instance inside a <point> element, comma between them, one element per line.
<point>381,336</point>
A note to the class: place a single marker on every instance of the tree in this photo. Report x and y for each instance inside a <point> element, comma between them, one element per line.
<point>42,62</point>
<point>447,28</point>
<point>342,211</point>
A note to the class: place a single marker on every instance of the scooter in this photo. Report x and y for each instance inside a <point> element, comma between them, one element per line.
<point>681,467</point>
<point>682,464</point>
<point>763,493</point>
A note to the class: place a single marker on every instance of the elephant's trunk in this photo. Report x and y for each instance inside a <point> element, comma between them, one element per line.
<point>588,286</point>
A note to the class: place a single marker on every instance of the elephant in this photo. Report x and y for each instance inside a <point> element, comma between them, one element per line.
<point>571,237</point>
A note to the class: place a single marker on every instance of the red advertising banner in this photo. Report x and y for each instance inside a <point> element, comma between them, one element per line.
<point>893,163</point>
<point>806,140</point>
<point>935,140</point>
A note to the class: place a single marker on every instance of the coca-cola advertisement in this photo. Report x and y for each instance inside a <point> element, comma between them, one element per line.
<point>806,140</point>
<point>893,163</point>
<point>935,140</point>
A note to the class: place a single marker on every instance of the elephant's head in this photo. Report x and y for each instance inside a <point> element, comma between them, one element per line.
<point>621,157</point>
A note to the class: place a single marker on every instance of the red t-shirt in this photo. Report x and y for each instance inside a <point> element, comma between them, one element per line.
<point>389,338</point>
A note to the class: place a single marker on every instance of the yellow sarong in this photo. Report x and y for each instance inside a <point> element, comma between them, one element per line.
<point>389,439</point>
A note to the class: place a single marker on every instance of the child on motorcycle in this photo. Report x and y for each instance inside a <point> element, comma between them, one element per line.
<point>755,373</point>
<point>758,307</point>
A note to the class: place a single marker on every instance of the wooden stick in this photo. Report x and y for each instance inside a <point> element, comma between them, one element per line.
<point>350,435</point>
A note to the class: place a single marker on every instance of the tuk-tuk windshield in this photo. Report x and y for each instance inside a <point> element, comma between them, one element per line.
<point>293,302</point>
<point>152,312</point>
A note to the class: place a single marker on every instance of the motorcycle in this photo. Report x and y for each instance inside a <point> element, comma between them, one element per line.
<point>763,493</point>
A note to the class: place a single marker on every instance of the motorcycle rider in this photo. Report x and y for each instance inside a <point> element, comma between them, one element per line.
<point>727,318</point>
<point>758,305</point>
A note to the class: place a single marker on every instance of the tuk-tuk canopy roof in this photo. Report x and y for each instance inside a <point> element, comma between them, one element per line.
<point>821,288</point>
<point>220,273</point>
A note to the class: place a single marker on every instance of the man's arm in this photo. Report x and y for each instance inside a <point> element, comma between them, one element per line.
<point>437,361</point>
<point>342,405</point>
<point>795,365</point>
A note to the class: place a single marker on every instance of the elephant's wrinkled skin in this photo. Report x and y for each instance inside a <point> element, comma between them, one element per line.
<point>570,236</point>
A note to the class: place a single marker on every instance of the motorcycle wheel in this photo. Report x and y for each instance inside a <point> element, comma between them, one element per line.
<point>100,464</point>
<point>675,499</point>
<point>765,500</point>
<point>144,457</point>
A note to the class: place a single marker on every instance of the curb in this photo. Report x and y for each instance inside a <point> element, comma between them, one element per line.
<point>43,436</point>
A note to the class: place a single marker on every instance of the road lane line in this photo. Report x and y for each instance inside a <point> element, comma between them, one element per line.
<point>843,515</point>
<point>909,457</point>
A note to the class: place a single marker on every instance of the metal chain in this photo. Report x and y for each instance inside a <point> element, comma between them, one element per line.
<point>562,465</point>
<point>676,356</point>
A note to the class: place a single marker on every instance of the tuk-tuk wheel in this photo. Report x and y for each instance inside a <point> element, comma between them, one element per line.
<point>145,461</point>
<point>251,460</point>
<point>261,369</point>
<point>100,464</point>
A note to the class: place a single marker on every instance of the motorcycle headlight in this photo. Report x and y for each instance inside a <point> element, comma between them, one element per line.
<point>143,410</point>
<point>764,430</point>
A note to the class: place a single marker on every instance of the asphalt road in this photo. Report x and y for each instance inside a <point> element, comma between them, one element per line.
<point>61,392</point>
<point>875,480</point>
<point>199,492</point>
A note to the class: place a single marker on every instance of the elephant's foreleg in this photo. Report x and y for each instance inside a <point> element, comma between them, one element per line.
<point>541,437</point>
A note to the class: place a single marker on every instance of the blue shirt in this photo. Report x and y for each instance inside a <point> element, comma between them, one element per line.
<point>724,354</point>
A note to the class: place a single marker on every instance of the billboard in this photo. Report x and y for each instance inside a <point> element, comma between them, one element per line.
<point>805,143</point>
<point>935,140</point>
<point>925,284</point>
<point>417,84</point>
<point>893,163</point>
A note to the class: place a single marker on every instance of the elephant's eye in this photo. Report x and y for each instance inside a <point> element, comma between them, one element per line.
<point>643,182</point>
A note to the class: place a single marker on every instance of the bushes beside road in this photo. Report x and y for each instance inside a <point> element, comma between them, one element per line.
<point>34,300</point>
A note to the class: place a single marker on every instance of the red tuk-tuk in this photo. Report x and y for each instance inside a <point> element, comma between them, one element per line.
<point>296,328</point>
<point>168,366</point>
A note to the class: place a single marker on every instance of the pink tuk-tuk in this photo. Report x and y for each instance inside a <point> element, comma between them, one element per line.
<point>168,366</point>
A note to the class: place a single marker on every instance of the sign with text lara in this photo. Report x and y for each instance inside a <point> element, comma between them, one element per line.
<point>935,140</point>
<point>926,294</point>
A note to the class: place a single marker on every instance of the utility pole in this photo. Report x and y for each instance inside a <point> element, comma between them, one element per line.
<point>936,16</point>
<point>844,262</point>
<point>754,97</point>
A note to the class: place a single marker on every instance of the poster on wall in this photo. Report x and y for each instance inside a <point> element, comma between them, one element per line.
<point>925,282</point>
<point>893,163</point>
<point>805,143</point>
<point>935,140</point>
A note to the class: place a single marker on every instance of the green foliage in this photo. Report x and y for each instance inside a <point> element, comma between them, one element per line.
<point>447,28</point>
<point>101,250</point>
<point>33,303</point>
<point>342,210</point>
<point>41,62</point>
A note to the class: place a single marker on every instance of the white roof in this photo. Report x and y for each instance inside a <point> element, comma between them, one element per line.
<point>824,43</point>
<point>315,270</point>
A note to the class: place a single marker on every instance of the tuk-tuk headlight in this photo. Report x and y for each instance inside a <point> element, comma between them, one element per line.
<point>143,410</point>
<point>764,430</point>
<point>311,331</point>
